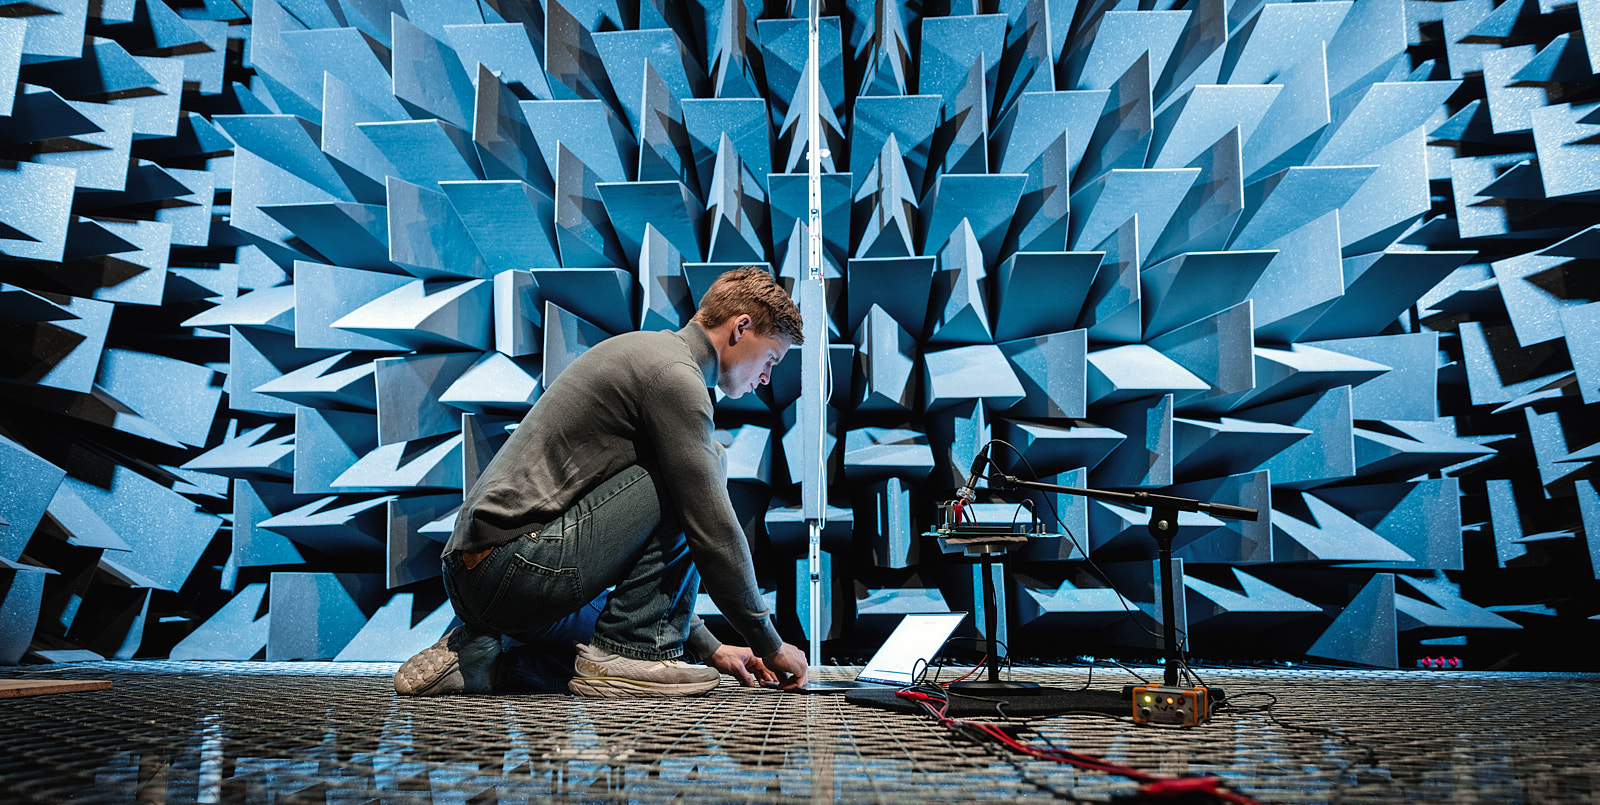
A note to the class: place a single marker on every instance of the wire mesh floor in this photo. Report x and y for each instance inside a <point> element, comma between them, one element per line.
<point>337,733</point>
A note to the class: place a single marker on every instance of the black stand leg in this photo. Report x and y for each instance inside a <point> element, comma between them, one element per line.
<point>1164,526</point>
<point>991,624</point>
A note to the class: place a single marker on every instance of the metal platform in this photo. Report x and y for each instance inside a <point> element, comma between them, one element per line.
<point>337,733</point>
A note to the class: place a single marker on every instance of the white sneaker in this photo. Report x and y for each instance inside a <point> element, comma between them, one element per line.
<point>461,662</point>
<point>601,673</point>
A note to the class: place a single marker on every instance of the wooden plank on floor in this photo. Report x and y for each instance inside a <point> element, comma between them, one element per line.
<point>17,688</point>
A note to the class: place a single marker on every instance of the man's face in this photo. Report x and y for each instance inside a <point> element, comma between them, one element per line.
<point>748,361</point>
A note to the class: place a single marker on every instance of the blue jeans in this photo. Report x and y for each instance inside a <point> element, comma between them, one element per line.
<point>623,536</point>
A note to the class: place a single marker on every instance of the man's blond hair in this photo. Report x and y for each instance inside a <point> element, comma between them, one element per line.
<point>751,290</point>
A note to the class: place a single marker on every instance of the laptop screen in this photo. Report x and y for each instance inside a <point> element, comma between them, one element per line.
<point>918,637</point>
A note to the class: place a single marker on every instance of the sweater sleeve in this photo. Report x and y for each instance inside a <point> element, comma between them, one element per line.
<point>678,420</point>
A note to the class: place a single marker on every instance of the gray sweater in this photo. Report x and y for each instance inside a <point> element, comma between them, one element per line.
<point>636,398</point>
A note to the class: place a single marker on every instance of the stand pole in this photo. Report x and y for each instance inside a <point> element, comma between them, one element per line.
<point>991,618</point>
<point>1163,526</point>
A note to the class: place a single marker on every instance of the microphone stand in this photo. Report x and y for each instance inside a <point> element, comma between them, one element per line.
<point>1163,526</point>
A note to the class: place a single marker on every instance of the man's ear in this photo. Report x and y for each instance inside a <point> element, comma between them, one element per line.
<point>741,323</point>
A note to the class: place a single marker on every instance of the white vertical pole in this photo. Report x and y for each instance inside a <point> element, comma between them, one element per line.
<point>814,264</point>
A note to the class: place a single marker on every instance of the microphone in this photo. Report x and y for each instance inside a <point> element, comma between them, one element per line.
<point>966,492</point>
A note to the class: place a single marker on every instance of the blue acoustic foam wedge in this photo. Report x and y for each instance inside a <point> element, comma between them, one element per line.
<point>1275,39</point>
<point>876,454</point>
<point>1193,124</point>
<point>314,615</point>
<point>624,54</point>
<point>344,233</point>
<point>665,301</point>
<point>978,372</point>
<point>1069,513</point>
<point>1367,43</point>
<point>1589,507</point>
<point>1053,371</point>
<point>68,341</point>
<point>1121,138</point>
<point>1422,518</point>
<point>1303,282</point>
<point>958,304</point>
<point>604,296</point>
<point>897,285</point>
<point>250,454</point>
<point>506,148</point>
<point>1380,286</point>
<point>236,631</point>
<point>1030,67</point>
<point>101,158</point>
<point>1220,350</point>
<point>566,336</point>
<point>886,205</point>
<point>426,152</point>
<point>594,135</point>
<point>794,136</point>
<point>1037,293</point>
<point>1118,40</point>
<point>23,501</point>
<point>428,76</point>
<point>1234,541</point>
<point>1104,205</point>
<point>885,364</point>
<point>664,150</point>
<point>1066,605</point>
<point>1526,282</point>
<point>1500,370</point>
<point>985,202</point>
<point>427,315</point>
<point>1553,446</point>
<point>408,395</point>
<point>326,443</point>
<point>506,49</point>
<point>394,633</point>
<point>1580,324</point>
<point>1563,137</point>
<point>891,603</point>
<point>432,462</point>
<point>1195,285</point>
<point>733,50</point>
<point>909,119</point>
<point>1511,101</point>
<point>1296,117</point>
<point>1037,122</point>
<point>1364,631</point>
<point>1409,390</point>
<point>963,129</point>
<point>1442,607</point>
<point>352,58</point>
<point>36,230</point>
<point>495,383</point>
<point>256,358</point>
<point>511,222</point>
<point>165,533</point>
<point>427,238</point>
<point>410,555</point>
<point>583,229</point>
<point>1285,202</point>
<point>957,432</point>
<point>669,206</point>
<point>178,397</point>
<point>342,381</point>
<point>784,48</point>
<point>1393,200</point>
<point>1208,213</point>
<point>826,607</point>
<point>56,35</point>
<point>894,543</point>
<point>251,545</point>
<point>748,454</point>
<point>1043,210</point>
<point>1147,587</point>
<point>1145,457</point>
<point>1055,448</point>
<point>743,120</point>
<point>1328,454</point>
<point>334,525</point>
<point>737,207</point>
<point>1241,602</point>
<point>1317,531</point>
<point>351,152</point>
<point>1133,371</point>
<point>950,45</point>
<point>1207,449</point>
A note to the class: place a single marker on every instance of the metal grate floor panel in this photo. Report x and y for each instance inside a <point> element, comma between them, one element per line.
<point>337,733</point>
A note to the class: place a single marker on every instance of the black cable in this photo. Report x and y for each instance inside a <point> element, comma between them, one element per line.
<point>1230,706</point>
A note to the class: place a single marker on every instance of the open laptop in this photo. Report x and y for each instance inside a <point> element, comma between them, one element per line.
<point>908,650</point>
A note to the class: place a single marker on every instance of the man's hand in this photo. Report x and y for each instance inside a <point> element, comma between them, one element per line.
<point>790,666</point>
<point>742,664</point>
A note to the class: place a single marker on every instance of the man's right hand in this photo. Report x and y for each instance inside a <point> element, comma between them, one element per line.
<point>789,664</point>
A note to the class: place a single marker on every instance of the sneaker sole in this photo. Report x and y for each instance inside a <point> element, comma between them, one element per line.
<point>413,682</point>
<point>609,687</point>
